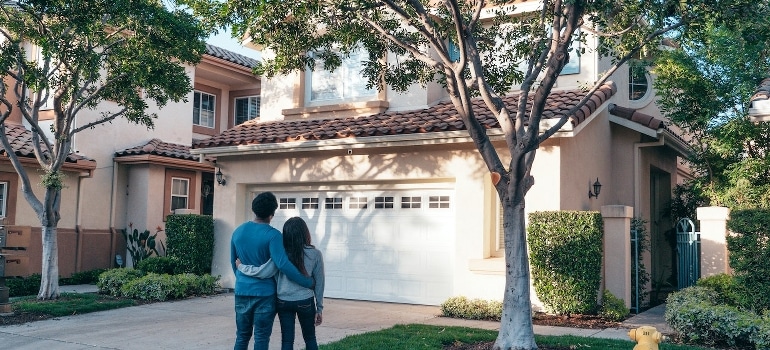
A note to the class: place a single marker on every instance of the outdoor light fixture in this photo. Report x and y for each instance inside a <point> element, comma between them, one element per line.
<point>597,188</point>
<point>220,177</point>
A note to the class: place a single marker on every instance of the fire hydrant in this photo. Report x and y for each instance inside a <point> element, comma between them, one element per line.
<point>647,338</point>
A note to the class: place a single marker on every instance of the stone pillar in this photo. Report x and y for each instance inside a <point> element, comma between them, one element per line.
<point>713,240</point>
<point>617,250</point>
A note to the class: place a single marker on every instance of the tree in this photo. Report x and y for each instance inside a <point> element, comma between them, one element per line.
<point>494,52</point>
<point>705,86</point>
<point>110,55</point>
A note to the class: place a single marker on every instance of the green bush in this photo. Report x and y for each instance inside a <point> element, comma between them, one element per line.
<point>694,314</point>
<point>749,247</point>
<point>613,308</point>
<point>190,238</point>
<point>725,287</point>
<point>157,287</point>
<point>472,309</point>
<point>19,287</point>
<point>111,281</point>
<point>160,265</point>
<point>83,277</point>
<point>761,338</point>
<point>566,257</point>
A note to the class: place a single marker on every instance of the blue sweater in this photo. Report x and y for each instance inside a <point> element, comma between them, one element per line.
<point>254,244</point>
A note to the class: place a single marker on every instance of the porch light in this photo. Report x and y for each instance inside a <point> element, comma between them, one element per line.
<point>597,188</point>
<point>220,177</point>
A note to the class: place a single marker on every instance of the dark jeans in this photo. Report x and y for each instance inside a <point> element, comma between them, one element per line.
<point>305,311</point>
<point>253,314</point>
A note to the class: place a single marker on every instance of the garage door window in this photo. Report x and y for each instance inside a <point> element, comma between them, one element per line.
<point>383,202</point>
<point>333,203</point>
<point>287,203</point>
<point>411,202</point>
<point>438,202</point>
<point>309,203</point>
<point>357,203</point>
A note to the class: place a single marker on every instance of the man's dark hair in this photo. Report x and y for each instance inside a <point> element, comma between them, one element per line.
<point>264,205</point>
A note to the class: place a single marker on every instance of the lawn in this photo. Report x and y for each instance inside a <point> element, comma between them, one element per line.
<point>28,308</point>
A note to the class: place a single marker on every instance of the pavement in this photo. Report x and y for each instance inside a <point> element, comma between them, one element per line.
<point>209,323</point>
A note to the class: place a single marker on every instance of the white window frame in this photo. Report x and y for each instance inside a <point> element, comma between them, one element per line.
<point>287,203</point>
<point>210,121</point>
<point>185,195</point>
<point>647,96</point>
<point>347,81</point>
<point>3,198</point>
<point>251,113</point>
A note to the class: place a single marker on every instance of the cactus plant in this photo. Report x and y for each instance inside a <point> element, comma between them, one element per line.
<point>141,245</point>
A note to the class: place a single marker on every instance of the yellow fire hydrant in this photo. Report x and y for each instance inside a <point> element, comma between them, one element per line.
<point>647,338</point>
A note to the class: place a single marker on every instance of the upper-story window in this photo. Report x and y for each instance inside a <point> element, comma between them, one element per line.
<point>203,109</point>
<point>343,84</point>
<point>638,84</point>
<point>3,196</point>
<point>246,108</point>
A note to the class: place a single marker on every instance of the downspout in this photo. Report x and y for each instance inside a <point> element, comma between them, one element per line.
<point>637,171</point>
<point>113,196</point>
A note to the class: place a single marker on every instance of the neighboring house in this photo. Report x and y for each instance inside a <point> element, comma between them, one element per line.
<point>398,198</point>
<point>760,103</point>
<point>134,175</point>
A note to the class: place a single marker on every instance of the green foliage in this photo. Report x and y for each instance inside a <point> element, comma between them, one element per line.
<point>83,277</point>
<point>566,258</point>
<point>190,240</point>
<point>111,281</point>
<point>749,246</point>
<point>52,180</point>
<point>613,308</point>
<point>726,288</point>
<point>694,313</point>
<point>472,309</point>
<point>157,287</point>
<point>71,304</point>
<point>160,265</point>
<point>141,245</point>
<point>643,242</point>
<point>22,286</point>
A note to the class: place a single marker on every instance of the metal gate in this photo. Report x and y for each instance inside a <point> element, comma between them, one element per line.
<point>688,253</point>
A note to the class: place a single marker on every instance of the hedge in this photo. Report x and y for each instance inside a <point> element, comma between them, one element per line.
<point>190,240</point>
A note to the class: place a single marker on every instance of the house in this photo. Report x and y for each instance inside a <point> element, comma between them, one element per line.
<point>398,198</point>
<point>760,102</point>
<point>122,174</point>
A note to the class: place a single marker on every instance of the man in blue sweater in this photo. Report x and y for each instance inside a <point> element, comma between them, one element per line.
<point>254,242</point>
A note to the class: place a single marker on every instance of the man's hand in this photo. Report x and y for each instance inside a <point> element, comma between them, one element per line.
<point>319,318</point>
<point>237,263</point>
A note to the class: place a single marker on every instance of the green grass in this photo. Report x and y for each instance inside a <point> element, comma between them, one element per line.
<point>413,336</point>
<point>70,304</point>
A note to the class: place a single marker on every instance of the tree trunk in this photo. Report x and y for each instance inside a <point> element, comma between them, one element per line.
<point>49,283</point>
<point>516,332</point>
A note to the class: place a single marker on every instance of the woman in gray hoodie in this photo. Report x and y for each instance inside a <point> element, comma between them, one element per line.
<point>294,300</point>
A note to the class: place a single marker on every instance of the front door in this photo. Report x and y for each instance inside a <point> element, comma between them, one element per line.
<point>662,236</point>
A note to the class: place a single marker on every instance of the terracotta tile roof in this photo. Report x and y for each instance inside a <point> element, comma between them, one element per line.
<point>159,148</point>
<point>763,91</point>
<point>228,55</point>
<point>638,117</point>
<point>438,118</point>
<point>21,142</point>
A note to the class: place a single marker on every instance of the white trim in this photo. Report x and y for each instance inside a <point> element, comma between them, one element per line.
<point>634,126</point>
<point>4,193</point>
<point>172,195</point>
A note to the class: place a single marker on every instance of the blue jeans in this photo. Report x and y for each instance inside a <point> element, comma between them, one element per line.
<point>253,314</point>
<point>305,312</point>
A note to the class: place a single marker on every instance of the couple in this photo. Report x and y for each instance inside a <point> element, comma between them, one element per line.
<point>257,252</point>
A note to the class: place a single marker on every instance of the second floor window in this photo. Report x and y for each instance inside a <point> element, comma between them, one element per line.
<point>203,109</point>
<point>345,83</point>
<point>637,82</point>
<point>246,108</point>
<point>3,196</point>
<point>180,189</point>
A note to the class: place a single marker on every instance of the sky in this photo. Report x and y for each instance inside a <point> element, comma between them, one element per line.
<point>223,40</point>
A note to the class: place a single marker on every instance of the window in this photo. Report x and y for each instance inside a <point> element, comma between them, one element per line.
<point>246,108</point>
<point>383,202</point>
<point>357,203</point>
<point>345,83</point>
<point>3,198</point>
<point>411,202</point>
<point>438,202</point>
<point>287,203</point>
<point>637,82</point>
<point>573,65</point>
<point>179,193</point>
<point>309,203</point>
<point>47,103</point>
<point>333,203</point>
<point>203,109</point>
<point>454,51</point>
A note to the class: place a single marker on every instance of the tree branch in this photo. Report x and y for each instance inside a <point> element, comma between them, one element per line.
<point>100,121</point>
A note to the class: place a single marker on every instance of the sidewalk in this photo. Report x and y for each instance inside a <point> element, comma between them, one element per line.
<point>209,323</point>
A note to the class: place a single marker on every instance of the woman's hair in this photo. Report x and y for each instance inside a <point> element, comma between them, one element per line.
<point>296,236</point>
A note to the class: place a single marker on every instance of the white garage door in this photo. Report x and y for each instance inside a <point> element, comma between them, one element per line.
<point>392,245</point>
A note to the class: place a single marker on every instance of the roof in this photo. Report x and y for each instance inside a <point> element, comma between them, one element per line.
<point>636,116</point>
<point>230,56</point>
<point>159,148</point>
<point>438,118</point>
<point>21,142</point>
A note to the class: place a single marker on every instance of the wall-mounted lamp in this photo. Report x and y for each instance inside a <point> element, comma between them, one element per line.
<point>597,188</point>
<point>220,177</point>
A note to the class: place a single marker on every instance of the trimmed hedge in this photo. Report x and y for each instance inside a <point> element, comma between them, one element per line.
<point>472,309</point>
<point>160,265</point>
<point>749,247</point>
<point>566,258</point>
<point>190,239</point>
<point>613,308</point>
<point>135,284</point>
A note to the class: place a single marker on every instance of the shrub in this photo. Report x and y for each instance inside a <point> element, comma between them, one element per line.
<point>111,281</point>
<point>18,287</point>
<point>83,277</point>
<point>472,309</point>
<point>725,287</point>
<point>163,287</point>
<point>749,247</point>
<point>761,338</point>
<point>190,238</point>
<point>566,257</point>
<point>160,265</point>
<point>613,308</point>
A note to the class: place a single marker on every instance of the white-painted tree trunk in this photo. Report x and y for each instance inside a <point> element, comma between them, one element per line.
<point>49,284</point>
